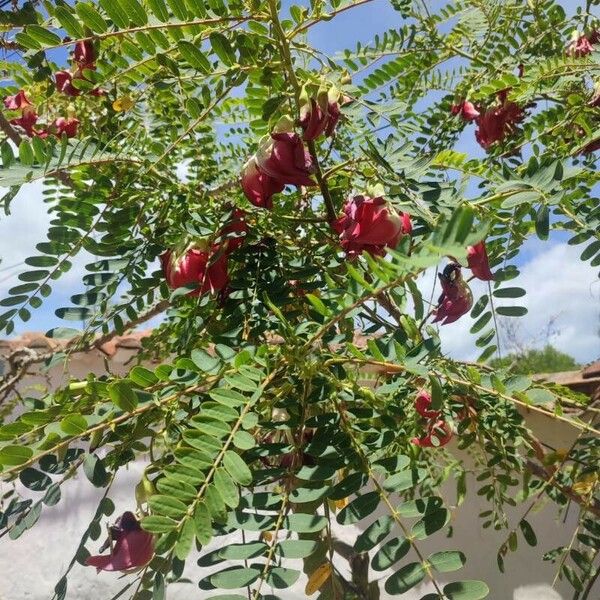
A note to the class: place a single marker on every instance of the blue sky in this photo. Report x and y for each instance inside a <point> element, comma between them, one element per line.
<point>559,286</point>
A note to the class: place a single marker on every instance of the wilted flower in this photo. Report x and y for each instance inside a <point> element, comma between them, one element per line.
<point>196,264</point>
<point>422,404</point>
<point>370,224</point>
<point>466,110</point>
<point>478,262</point>
<point>456,298</point>
<point>259,187</point>
<point>438,434</point>
<point>283,157</point>
<point>133,547</point>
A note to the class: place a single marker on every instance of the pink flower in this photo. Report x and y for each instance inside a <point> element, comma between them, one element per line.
<point>478,262</point>
<point>133,547</point>
<point>584,44</point>
<point>495,123</point>
<point>259,187</point>
<point>16,102</point>
<point>67,126</point>
<point>369,224</point>
<point>456,298</point>
<point>438,434</point>
<point>319,115</point>
<point>27,120</point>
<point>422,404</point>
<point>466,110</point>
<point>196,265</point>
<point>64,83</point>
<point>84,54</point>
<point>284,158</point>
<point>406,224</point>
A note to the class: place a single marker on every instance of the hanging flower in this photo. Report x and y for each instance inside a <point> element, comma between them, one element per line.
<point>438,434</point>
<point>370,224</point>
<point>132,547</point>
<point>495,123</point>
<point>65,125</point>
<point>64,83</point>
<point>466,110</point>
<point>319,115</point>
<point>456,298</point>
<point>478,262</point>
<point>259,187</point>
<point>284,158</point>
<point>85,55</point>
<point>196,265</point>
<point>422,404</point>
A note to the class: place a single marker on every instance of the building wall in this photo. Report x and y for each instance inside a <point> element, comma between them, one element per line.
<point>31,566</point>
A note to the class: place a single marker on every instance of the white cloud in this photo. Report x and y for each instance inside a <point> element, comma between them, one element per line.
<point>560,288</point>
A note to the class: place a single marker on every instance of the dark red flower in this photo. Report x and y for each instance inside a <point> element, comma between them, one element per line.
<point>27,120</point>
<point>478,262</point>
<point>466,110</point>
<point>284,158</point>
<point>422,404</point>
<point>495,123</point>
<point>17,102</point>
<point>67,126</point>
<point>133,547</point>
<point>406,224</point>
<point>314,119</point>
<point>438,434</point>
<point>196,265</point>
<point>234,233</point>
<point>369,224</point>
<point>259,187</point>
<point>591,147</point>
<point>456,298</point>
<point>84,54</point>
<point>64,83</point>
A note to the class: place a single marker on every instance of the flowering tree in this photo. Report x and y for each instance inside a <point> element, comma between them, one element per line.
<point>317,189</point>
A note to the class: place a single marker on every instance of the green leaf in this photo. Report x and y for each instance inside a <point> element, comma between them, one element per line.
<point>528,533</point>
<point>237,468</point>
<point>94,470</point>
<point>390,553</point>
<point>34,480</point>
<point>142,377</point>
<point>348,486</point>
<point>447,561</point>
<point>155,524</point>
<point>228,397</point>
<point>235,577</point>
<point>73,424</point>
<point>45,37</point>
<point>68,22</point>
<point>281,577</point>
<point>202,523</point>
<point>26,153</point>
<point>179,489</point>
<point>91,17</point>
<point>296,548</point>
<point>466,590</point>
<point>511,292</point>
<point>542,222</point>
<point>123,396</point>
<point>405,579</point>
<point>374,534</point>
<point>226,488</point>
<point>358,509</point>
<point>167,506</point>
<point>243,440</point>
<point>14,455</point>
<point>403,480</point>
<point>185,539</point>
<point>304,523</point>
<point>194,56</point>
<point>134,11</point>
<point>243,551</point>
<point>159,9</point>
<point>430,523</point>
<point>222,48</point>
<point>511,311</point>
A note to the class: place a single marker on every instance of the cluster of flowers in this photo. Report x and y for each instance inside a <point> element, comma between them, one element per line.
<point>584,44</point>
<point>84,58</point>
<point>29,118</point>
<point>437,430</point>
